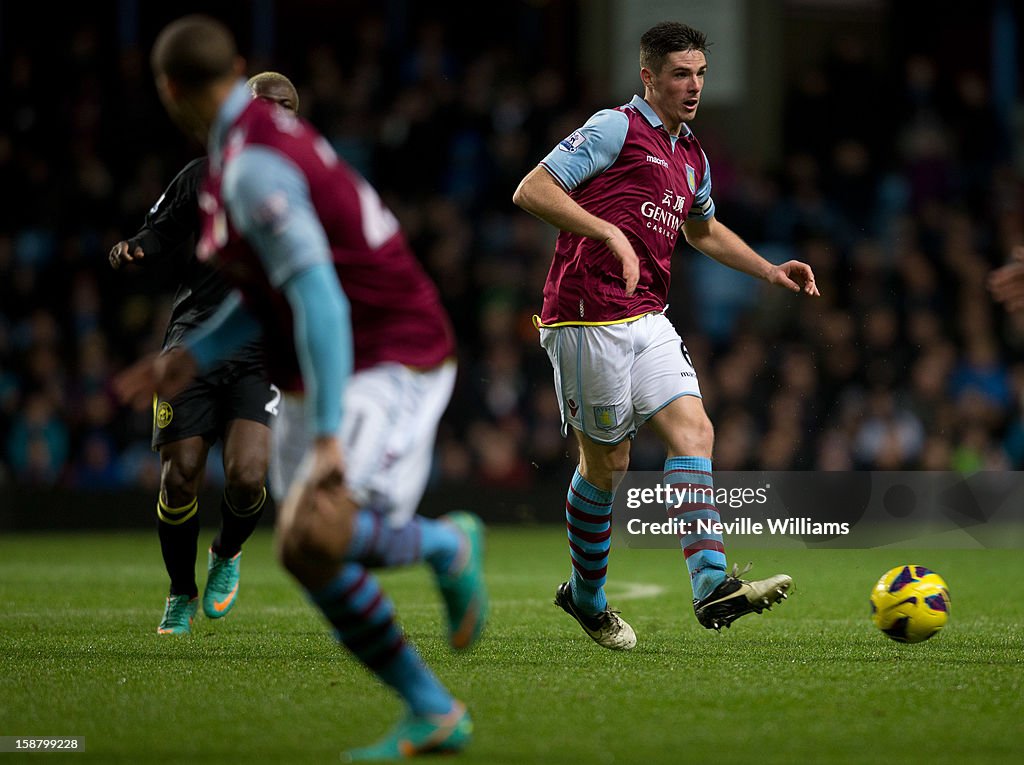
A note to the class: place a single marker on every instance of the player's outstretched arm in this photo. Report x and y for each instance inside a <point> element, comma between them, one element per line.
<point>169,223</point>
<point>718,241</point>
<point>166,373</point>
<point>541,195</point>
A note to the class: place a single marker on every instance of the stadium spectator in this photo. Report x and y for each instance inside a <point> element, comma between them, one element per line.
<point>1007,282</point>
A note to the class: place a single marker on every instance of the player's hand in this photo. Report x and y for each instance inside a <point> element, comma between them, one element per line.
<point>623,251</point>
<point>315,520</point>
<point>122,253</point>
<point>166,374</point>
<point>1007,283</point>
<point>318,499</point>
<point>795,276</point>
<point>328,470</point>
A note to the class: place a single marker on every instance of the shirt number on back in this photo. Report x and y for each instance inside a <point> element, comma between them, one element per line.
<point>379,223</point>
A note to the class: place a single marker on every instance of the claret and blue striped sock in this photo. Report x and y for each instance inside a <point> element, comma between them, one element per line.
<point>377,544</point>
<point>363,618</point>
<point>588,517</point>
<point>704,550</point>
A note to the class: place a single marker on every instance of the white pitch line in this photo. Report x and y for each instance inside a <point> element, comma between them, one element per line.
<point>616,591</point>
<point>636,591</point>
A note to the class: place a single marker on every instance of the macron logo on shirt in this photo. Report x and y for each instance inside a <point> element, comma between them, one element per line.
<point>657,160</point>
<point>573,142</point>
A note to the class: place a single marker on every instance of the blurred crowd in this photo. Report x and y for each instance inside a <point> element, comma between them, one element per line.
<point>901,201</point>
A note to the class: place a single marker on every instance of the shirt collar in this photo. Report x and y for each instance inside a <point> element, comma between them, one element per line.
<point>652,117</point>
<point>233,106</point>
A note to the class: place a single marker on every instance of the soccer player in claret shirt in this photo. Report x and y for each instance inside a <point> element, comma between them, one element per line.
<point>620,189</point>
<point>327,282</point>
<point>233,401</point>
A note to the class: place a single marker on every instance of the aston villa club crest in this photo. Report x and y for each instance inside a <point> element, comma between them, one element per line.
<point>691,178</point>
<point>605,417</point>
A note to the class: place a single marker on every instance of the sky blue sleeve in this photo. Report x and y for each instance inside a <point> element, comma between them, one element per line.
<point>268,200</point>
<point>703,207</point>
<point>267,197</point>
<point>589,151</point>
<point>323,343</point>
<point>227,330</point>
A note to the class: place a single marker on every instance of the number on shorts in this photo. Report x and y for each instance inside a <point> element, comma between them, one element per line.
<point>272,404</point>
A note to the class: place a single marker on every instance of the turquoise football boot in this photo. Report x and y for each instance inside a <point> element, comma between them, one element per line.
<point>178,615</point>
<point>429,734</point>
<point>463,589</point>
<point>221,584</point>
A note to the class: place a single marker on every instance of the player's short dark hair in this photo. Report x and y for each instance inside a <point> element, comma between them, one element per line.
<point>669,37</point>
<point>194,51</point>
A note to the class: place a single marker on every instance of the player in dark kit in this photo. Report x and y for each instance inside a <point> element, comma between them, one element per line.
<point>234,402</point>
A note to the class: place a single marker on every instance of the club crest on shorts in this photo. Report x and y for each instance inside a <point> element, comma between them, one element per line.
<point>164,415</point>
<point>605,417</point>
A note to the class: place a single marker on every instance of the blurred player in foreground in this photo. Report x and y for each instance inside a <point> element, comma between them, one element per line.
<point>326,279</point>
<point>233,401</point>
<point>620,189</point>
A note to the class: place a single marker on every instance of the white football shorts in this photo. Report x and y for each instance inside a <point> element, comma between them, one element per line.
<point>611,379</point>
<point>389,425</point>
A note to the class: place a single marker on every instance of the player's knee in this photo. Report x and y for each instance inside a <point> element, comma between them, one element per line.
<point>704,434</point>
<point>311,561</point>
<point>696,438</point>
<point>616,461</point>
<point>245,468</point>
<point>297,551</point>
<point>244,484</point>
<point>599,466</point>
<point>289,550</point>
<point>689,435</point>
<point>312,545</point>
<point>179,480</point>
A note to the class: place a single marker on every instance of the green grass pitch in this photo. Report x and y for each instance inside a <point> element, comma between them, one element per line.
<point>810,682</point>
